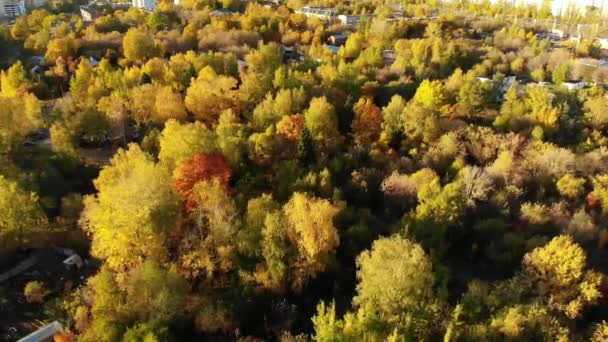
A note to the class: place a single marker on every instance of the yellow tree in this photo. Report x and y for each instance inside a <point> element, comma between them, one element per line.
<point>558,274</point>
<point>19,116</point>
<point>210,94</point>
<point>134,210</point>
<point>138,46</point>
<point>209,246</point>
<point>311,230</point>
<point>396,279</point>
<point>169,104</point>
<point>141,106</point>
<point>62,48</point>
<point>14,82</point>
<point>262,64</point>
<point>320,119</point>
<point>20,212</point>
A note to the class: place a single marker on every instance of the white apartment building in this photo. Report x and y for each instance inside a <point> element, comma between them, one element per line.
<point>319,12</point>
<point>559,7</point>
<point>148,5</point>
<point>12,8</point>
<point>353,20</point>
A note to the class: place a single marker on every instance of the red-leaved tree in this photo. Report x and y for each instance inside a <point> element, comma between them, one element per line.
<point>198,168</point>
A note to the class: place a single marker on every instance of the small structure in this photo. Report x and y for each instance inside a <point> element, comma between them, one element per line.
<point>44,334</point>
<point>291,54</point>
<point>353,20</point>
<point>36,71</point>
<point>89,13</point>
<point>557,34</point>
<point>73,261</point>
<point>389,57</point>
<point>220,12</point>
<point>93,62</point>
<point>148,5</point>
<point>574,85</point>
<point>333,48</point>
<point>603,43</point>
<point>326,13</point>
<point>269,4</point>
<point>543,84</point>
<point>242,66</point>
<point>337,39</point>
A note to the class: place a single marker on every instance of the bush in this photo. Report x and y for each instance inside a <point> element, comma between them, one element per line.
<point>34,292</point>
<point>534,213</point>
<point>571,187</point>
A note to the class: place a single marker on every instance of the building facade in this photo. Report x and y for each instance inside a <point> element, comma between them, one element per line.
<point>353,20</point>
<point>148,5</point>
<point>559,7</point>
<point>325,13</point>
<point>12,8</point>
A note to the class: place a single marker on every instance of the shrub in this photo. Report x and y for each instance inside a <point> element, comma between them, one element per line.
<point>34,292</point>
<point>571,187</point>
<point>534,213</point>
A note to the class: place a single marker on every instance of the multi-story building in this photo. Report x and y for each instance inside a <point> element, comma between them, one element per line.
<point>12,8</point>
<point>319,12</point>
<point>353,20</point>
<point>89,13</point>
<point>148,5</point>
<point>328,13</point>
<point>560,7</point>
<point>34,3</point>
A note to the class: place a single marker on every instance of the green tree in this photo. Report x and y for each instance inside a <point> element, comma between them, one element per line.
<point>542,112</point>
<point>231,137</point>
<point>270,110</point>
<point>179,142</point>
<point>320,119</point>
<point>512,111</point>
<point>306,153</point>
<point>276,251</point>
<point>250,237</point>
<point>262,64</point>
<point>438,209</point>
<point>157,21</point>
<point>391,117</point>
<point>561,74</point>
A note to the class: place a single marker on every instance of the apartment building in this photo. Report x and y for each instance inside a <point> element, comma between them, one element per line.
<point>12,8</point>
<point>148,5</point>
